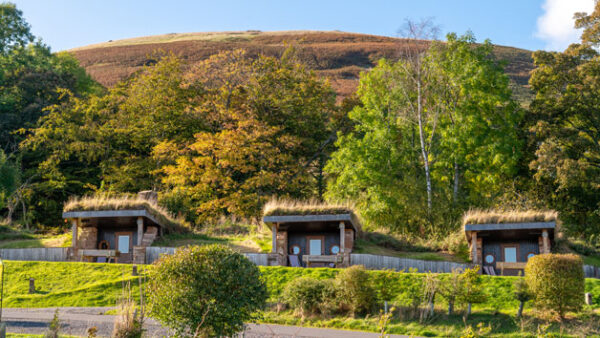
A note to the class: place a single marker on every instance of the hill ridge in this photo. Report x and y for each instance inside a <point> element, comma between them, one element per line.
<point>336,55</point>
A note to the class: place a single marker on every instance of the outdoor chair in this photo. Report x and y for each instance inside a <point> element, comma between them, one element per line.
<point>294,261</point>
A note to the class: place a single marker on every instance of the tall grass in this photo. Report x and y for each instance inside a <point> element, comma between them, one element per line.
<point>308,207</point>
<point>475,216</point>
<point>125,202</point>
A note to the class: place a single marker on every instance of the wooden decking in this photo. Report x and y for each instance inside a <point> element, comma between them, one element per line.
<point>309,259</point>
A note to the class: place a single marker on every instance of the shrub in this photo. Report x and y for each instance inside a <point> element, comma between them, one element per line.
<point>556,282</point>
<point>521,293</point>
<point>208,291</point>
<point>411,294</point>
<point>472,289</point>
<point>355,291</point>
<point>308,295</point>
<point>450,288</point>
<point>128,323</point>
<point>385,286</point>
<point>54,327</point>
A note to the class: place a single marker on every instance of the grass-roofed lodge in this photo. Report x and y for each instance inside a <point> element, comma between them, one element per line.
<point>311,234</point>
<point>502,242</point>
<point>116,228</point>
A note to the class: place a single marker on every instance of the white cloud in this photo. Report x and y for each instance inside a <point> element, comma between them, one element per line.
<point>556,25</point>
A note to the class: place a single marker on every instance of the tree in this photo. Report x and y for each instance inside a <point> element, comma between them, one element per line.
<point>268,122</point>
<point>14,30</point>
<point>32,79</point>
<point>9,179</point>
<point>565,120</point>
<point>479,138</point>
<point>205,291</point>
<point>418,93</point>
<point>105,141</point>
<point>433,129</point>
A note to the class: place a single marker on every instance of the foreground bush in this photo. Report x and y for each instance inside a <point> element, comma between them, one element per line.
<point>308,295</point>
<point>205,291</point>
<point>355,290</point>
<point>556,282</point>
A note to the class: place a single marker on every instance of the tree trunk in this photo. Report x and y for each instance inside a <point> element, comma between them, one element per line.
<point>431,309</point>
<point>424,151</point>
<point>520,312</point>
<point>468,309</point>
<point>456,178</point>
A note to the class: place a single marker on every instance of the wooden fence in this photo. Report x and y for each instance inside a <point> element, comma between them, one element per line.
<point>35,254</point>
<point>153,253</point>
<point>591,271</point>
<point>377,262</point>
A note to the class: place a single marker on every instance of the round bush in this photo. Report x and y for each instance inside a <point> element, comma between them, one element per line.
<point>556,282</point>
<point>206,291</point>
<point>355,290</point>
<point>309,295</point>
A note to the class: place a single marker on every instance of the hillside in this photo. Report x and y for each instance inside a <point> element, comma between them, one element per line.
<point>338,56</point>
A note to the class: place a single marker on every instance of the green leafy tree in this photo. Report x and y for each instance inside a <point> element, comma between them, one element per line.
<point>205,291</point>
<point>14,30</point>
<point>9,179</point>
<point>425,124</point>
<point>105,142</point>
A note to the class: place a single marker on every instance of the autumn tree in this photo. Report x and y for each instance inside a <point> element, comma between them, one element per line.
<point>268,119</point>
<point>565,120</point>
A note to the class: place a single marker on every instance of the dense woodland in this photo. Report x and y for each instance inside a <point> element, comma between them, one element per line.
<point>422,140</point>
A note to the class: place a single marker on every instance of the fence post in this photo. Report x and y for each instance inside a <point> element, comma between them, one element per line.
<point>31,285</point>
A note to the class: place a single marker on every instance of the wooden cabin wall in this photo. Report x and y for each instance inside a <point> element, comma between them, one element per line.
<point>524,247</point>
<point>108,234</point>
<point>299,238</point>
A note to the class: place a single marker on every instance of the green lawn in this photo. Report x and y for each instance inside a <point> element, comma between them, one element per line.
<point>65,284</point>
<point>93,284</point>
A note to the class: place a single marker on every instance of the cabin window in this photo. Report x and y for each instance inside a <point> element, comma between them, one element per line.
<point>295,250</point>
<point>510,254</point>
<point>529,255</point>
<point>490,259</point>
<point>335,249</point>
<point>103,245</point>
<point>123,242</point>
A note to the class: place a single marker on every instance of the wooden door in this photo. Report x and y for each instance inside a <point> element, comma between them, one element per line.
<point>124,244</point>
<point>315,245</point>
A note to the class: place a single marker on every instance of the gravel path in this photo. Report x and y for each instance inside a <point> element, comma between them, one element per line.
<point>77,320</point>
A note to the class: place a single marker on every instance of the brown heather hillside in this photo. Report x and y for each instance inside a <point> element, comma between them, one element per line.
<point>338,56</point>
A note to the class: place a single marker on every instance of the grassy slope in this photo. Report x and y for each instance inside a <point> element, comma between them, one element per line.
<point>88,284</point>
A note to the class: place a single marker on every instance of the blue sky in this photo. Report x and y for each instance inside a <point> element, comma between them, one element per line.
<point>529,24</point>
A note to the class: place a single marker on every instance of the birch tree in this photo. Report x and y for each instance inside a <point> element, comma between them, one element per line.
<point>419,92</point>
